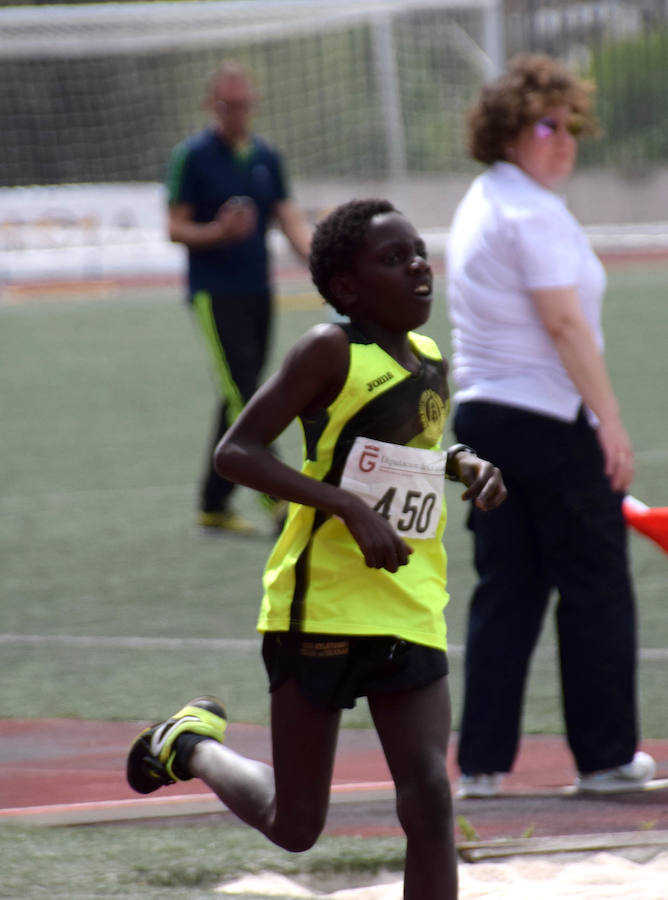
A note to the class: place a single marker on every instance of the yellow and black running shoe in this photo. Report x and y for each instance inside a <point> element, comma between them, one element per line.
<point>153,755</point>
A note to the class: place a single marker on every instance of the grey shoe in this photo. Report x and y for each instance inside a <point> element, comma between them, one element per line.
<point>629,777</point>
<point>484,785</point>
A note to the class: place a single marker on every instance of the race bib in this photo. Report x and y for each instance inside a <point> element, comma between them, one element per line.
<point>403,484</point>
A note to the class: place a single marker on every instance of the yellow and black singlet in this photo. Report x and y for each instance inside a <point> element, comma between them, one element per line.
<point>316,580</point>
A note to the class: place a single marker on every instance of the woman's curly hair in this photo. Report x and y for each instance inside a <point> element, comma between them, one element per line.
<point>532,84</point>
<point>337,239</point>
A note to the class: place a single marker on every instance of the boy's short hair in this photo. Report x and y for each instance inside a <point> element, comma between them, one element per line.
<point>337,239</point>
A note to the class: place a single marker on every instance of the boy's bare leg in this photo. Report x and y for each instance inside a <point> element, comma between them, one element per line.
<point>288,803</point>
<point>414,728</point>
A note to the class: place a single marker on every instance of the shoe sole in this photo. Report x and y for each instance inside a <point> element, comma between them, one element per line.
<point>144,772</point>
<point>569,790</point>
<point>628,787</point>
<point>466,795</point>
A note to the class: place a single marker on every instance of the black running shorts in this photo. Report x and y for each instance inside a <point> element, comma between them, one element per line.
<point>332,670</point>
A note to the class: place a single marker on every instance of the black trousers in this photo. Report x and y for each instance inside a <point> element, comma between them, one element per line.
<point>237,332</point>
<point>561,527</point>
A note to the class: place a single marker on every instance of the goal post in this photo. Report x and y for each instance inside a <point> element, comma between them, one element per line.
<point>357,88</point>
<point>361,96</point>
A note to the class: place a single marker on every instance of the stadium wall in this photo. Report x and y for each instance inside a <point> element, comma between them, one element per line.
<point>118,231</point>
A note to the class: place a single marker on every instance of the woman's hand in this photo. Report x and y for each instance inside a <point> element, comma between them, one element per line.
<point>617,453</point>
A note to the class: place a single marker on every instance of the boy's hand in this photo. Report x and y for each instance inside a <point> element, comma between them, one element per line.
<point>380,544</point>
<point>484,482</point>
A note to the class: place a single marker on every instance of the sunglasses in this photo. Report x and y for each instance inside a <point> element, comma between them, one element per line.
<point>547,126</point>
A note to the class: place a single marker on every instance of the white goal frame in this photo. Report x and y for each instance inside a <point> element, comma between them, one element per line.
<point>90,30</point>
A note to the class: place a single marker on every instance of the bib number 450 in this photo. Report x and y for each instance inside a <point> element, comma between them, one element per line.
<point>416,513</point>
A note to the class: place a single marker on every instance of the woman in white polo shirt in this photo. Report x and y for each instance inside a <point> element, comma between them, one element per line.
<point>533,395</point>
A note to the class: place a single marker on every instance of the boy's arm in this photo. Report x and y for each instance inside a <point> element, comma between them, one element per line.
<point>484,482</point>
<point>311,376</point>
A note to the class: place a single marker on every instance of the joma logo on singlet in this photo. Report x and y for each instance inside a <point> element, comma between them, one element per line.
<point>372,385</point>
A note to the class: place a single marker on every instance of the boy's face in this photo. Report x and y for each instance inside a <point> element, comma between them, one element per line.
<point>392,280</point>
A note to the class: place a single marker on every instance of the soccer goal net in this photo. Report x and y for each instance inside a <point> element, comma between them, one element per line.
<point>352,89</point>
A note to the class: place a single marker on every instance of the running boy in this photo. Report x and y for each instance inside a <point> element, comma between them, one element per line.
<point>354,589</point>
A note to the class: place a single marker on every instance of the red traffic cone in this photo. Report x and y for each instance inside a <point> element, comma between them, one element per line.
<point>652,521</point>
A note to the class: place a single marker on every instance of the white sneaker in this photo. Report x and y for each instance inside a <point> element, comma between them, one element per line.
<point>486,785</point>
<point>628,777</point>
